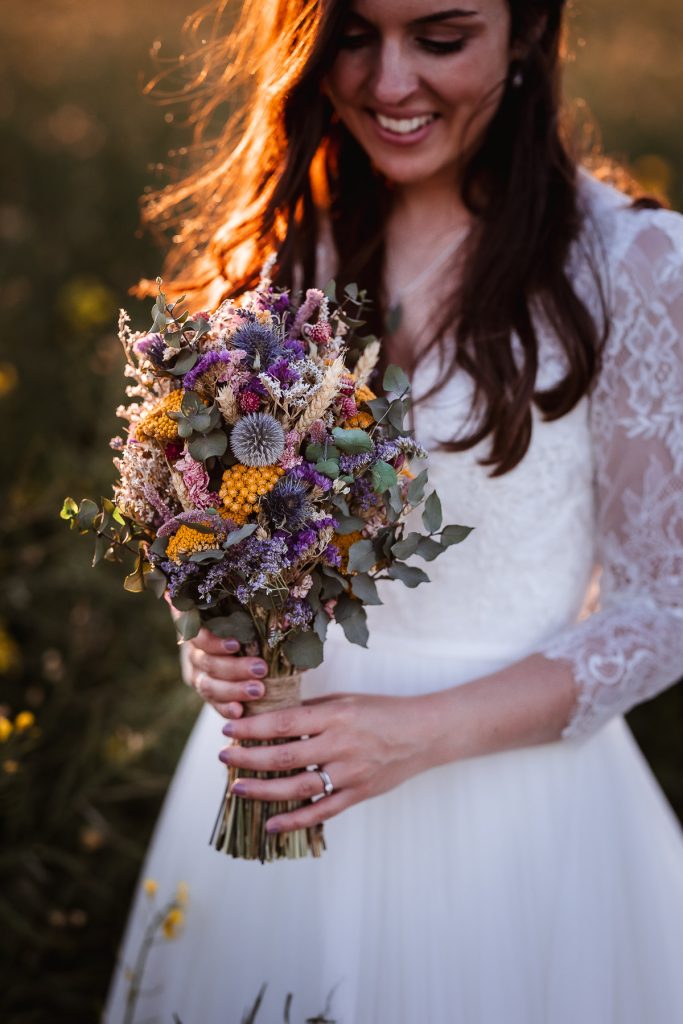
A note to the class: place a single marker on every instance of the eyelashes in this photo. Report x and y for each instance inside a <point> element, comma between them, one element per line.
<point>359,40</point>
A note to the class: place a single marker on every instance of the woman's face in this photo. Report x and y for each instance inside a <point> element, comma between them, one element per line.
<point>416,82</point>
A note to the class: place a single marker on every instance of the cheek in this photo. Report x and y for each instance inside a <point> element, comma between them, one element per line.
<point>344,80</point>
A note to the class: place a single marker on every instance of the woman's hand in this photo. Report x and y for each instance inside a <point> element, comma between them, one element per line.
<point>366,744</point>
<point>224,680</point>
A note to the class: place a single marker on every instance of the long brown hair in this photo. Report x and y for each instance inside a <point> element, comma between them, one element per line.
<point>282,155</point>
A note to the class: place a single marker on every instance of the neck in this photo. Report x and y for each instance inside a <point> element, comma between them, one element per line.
<point>431,209</point>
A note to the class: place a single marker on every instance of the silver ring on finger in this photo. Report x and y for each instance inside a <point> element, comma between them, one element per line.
<point>326,781</point>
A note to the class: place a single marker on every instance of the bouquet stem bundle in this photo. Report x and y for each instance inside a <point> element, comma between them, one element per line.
<point>240,829</point>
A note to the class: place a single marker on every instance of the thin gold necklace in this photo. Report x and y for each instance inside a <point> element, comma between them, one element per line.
<point>399,294</point>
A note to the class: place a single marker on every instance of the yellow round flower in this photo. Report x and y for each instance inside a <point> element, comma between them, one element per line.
<point>173,922</point>
<point>343,542</point>
<point>156,424</point>
<point>24,721</point>
<point>364,394</point>
<point>150,886</point>
<point>242,486</point>
<point>6,728</point>
<point>361,419</point>
<point>185,541</point>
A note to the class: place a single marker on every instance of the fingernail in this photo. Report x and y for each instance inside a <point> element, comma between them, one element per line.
<point>228,729</point>
<point>272,826</point>
<point>239,788</point>
<point>231,646</point>
<point>259,669</point>
<point>224,756</point>
<point>255,690</point>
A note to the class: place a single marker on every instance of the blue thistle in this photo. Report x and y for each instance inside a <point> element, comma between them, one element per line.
<point>287,506</point>
<point>257,439</point>
<point>256,338</point>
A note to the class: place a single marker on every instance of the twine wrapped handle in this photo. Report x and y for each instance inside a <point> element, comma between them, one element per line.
<point>281,692</point>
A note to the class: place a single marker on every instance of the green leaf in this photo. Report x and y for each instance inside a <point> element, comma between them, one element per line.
<point>330,290</point>
<point>159,546</point>
<point>202,448</point>
<point>202,421</point>
<point>238,624</point>
<point>188,624</point>
<point>383,476</point>
<point>406,547</point>
<point>408,574</point>
<point>455,534</point>
<point>365,588</point>
<point>313,452</point>
<point>352,291</point>
<point>432,516</point>
<point>397,413</point>
<point>69,509</point>
<point>378,407</point>
<point>340,502</point>
<point>395,500</point>
<point>305,650</point>
<point>154,580</point>
<point>237,535</point>
<point>191,403</point>
<point>352,618</point>
<point>395,380</point>
<point>208,555</point>
<point>134,583</point>
<point>352,441</point>
<point>183,363</point>
<point>117,516</point>
<point>328,468</point>
<point>347,524</point>
<point>87,510</point>
<point>361,556</point>
<point>101,546</point>
<point>320,623</point>
<point>417,486</point>
<point>429,549</point>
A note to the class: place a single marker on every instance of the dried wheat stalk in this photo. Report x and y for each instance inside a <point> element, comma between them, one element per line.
<point>367,361</point>
<point>227,403</point>
<point>324,397</point>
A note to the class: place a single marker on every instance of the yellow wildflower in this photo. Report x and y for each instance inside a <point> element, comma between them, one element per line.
<point>5,728</point>
<point>150,886</point>
<point>361,419</point>
<point>243,487</point>
<point>343,542</point>
<point>185,541</point>
<point>182,894</point>
<point>364,394</point>
<point>24,721</point>
<point>173,922</point>
<point>156,424</point>
<point>404,471</point>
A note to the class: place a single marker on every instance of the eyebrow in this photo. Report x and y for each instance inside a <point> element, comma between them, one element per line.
<point>428,19</point>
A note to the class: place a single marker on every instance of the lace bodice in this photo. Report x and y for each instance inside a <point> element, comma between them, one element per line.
<point>577,552</point>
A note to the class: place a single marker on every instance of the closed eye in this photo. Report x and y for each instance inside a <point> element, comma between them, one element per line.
<point>442,46</point>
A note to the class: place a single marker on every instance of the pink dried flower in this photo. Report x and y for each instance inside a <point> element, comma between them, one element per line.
<point>317,432</point>
<point>348,407</point>
<point>196,479</point>
<point>249,401</point>
<point>320,333</point>
<point>329,606</point>
<point>290,457</point>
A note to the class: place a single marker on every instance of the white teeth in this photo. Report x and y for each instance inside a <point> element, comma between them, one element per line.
<point>405,125</point>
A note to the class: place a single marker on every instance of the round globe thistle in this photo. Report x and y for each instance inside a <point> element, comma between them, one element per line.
<point>257,439</point>
<point>253,338</point>
<point>287,506</point>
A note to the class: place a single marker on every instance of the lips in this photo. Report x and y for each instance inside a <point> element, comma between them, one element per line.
<point>403,125</point>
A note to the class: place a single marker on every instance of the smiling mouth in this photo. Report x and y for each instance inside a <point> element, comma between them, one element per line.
<point>403,125</point>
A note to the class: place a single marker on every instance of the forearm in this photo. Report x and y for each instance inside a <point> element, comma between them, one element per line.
<point>522,705</point>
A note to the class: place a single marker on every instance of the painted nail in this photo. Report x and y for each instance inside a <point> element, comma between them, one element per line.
<point>239,788</point>
<point>272,826</point>
<point>231,646</point>
<point>224,756</point>
<point>255,690</point>
<point>259,669</point>
<point>228,729</point>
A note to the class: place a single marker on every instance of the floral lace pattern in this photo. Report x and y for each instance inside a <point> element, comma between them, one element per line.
<point>631,648</point>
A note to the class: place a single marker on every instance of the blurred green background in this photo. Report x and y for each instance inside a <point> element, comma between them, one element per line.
<point>97,668</point>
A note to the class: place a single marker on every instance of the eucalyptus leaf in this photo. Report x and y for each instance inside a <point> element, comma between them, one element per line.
<point>237,535</point>
<point>352,618</point>
<point>365,588</point>
<point>328,468</point>
<point>395,381</point>
<point>347,524</point>
<point>155,580</point>
<point>362,556</point>
<point>101,546</point>
<point>330,290</point>
<point>87,510</point>
<point>408,574</point>
<point>352,291</point>
<point>340,502</point>
<point>183,363</point>
<point>320,623</point>
<point>455,534</point>
<point>208,555</point>
<point>305,650</point>
<point>184,428</point>
<point>416,488</point>
<point>432,516</point>
<point>69,509</point>
<point>383,476</point>
<point>378,407</point>
<point>188,624</point>
<point>201,421</point>
<point>352,441</point>
<point>134,582</point>
<point>406,547</point>
<point>202,448</point>
<point>238,624</point>
<point>313,452</point>
<point>397,413</point>
<point>429,549</point>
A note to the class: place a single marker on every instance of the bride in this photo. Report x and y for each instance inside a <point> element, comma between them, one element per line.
<point>498,849</point>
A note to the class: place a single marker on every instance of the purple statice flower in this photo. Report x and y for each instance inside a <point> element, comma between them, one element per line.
<point>143,346</point>
<point>332,556</point>
<point>363,496</point>
<point>282,371</point>
<point>299,543</point>
<point>313,301</point>
<point>178,573</point>
<point>356,463</point>
<point>297,613</point>
<point>307,471</point>
<point>322,524</point>
<point>295,348</point>
<point>153,498</point>
<point>204,364</point>
<point>387,450</point>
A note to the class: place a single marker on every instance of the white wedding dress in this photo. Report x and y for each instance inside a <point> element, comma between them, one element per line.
<point>536,886</point>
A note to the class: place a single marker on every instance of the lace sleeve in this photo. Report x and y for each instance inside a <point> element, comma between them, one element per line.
<point>631,648</point>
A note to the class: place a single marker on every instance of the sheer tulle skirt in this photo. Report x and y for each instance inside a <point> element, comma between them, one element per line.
<point>539,886</point>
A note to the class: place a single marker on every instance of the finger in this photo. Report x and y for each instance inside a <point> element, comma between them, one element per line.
<point>298,721</point>
<point>275,757</point>
<point>231,710</point>
<point>303,786</point>
<point>228,666</point>
<point>218,691</point>
<point>205,640</point>
<point>312,814</point>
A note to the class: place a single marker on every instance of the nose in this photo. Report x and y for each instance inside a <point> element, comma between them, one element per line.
<point>395,77</point>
